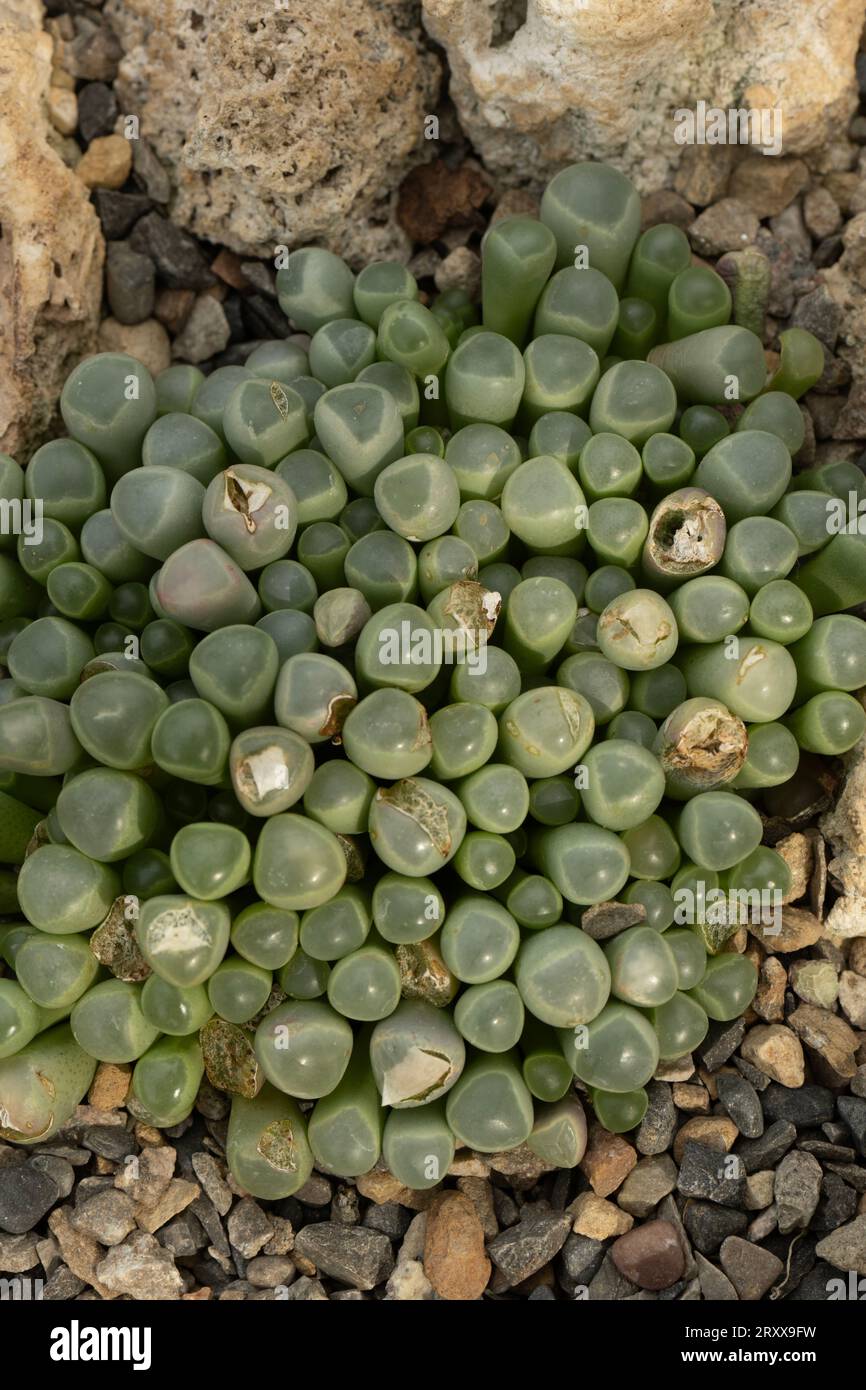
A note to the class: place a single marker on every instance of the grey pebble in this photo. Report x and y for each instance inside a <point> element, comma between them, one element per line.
<point>351,1254</point>
<point>709,1174</point>
<point>766,1151</point>
<point>130,280</point>
<point>26,1194</point>
<point>741,1101</point>
<point>522,1249</point>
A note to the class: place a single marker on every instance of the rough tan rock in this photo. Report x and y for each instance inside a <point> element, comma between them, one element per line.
<point>148,341</point>
<point>110,1085</point>
<point>51,250</point>
<point>608,1160</point>
<point>454,1258</point>
<point>281,123</point>
<point>597,1218</point>
<point>600,79</point>
<point>845,825</point>
<point>715,1131</point>
<point>106,162</point>
<point>775,1051</point>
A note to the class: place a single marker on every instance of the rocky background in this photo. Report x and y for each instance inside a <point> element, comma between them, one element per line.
<point>153,155</point>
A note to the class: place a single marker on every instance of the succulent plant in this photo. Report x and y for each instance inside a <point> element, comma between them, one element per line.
<point>380,717</point>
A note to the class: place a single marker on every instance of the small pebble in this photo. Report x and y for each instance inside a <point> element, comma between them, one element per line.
<point>212,1178</point>
<point>804,1107</point>
<point>106,162</point>
<point>836,1206</point>
<point>177,256</point>
<point>408,1284</point>
<point>852,1112</point>
<point>351,1254</point>
<point>821,213</point>
<point>97,110</point>
<point>142,1269</point>
<point>608,1160</point>
<point>597,1218</point>
<point>118,212</point>
<point>148,341</point>
<point>650,1255</point>
<point>797,1190</point>
<point>63,110</point>
<point>759,1189</point>
<point>694,1100</point>
<point>845,1248</point>
<point>815,982</point>
<point>852,998</point>
<point>108,1216</point>
<point>205,333</point>
<point>656,1131</point>
<point>716,1287</point>
<point>717,1177</point>
<point>528,1246</point>
<point>149,173</point>
<point>776,1051</point>
<point>267,1271</point>
<point>249,1228</point>
<point>708,1224</point>
<point>18,1253</point>
<point>742,1103</point>
<point>454,1258</point>
<point>751,1269</point>
<point>26,1194</point>
<point>727,225</point>
<point>647,1183</point>
<point>715,1131</point>
<point>129,283</point>
<point>721,1043</point>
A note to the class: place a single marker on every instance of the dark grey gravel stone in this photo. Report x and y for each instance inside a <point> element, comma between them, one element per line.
<point>130,281</point>
<point>758,1079</point>
<point>62,1285</point>
<point>658,1125</point>
<point>837,1204</point>
<point>852,1111</point>
<point>816,1286</point>
<point>804,1106</point>
<point>61,1173</point>
<point>765,1152</point>
<point>505,1207</point>
<point>528,1246</point>
<point>715,1286</point>
<point>710,1174</point>
<point>118,212</point>
<point>351,1254</point>
<point>109,1141</point>
<point>819,313</point>
<point>852,1173</point>
<point>581,1260</point>
<point>249,1228</point>
<point>26,1194</point>
<point>708,1224</point>
<point>97,110</point>
<point>205,1211</point>
<point>262,318</point>
<point>797,1189</point>
<point>742,1103</point>
<point>389,1218</point>
<point>260,276</point>
<point>826,1152</point>
<point>149,172</point>
<point>305,1290</point>
<point>176,255</point>
<point>609,1285</point>
<point>184,1234</point>
<point>721,1042</point>
<point>542,1295</point>
<point>828,251</point>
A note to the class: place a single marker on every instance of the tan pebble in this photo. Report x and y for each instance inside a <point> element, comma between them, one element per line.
<point>695,1100</point>
<point>777,1052</point>
<point>852,997</point>
<point>148,341</point>
<point>715,1131</point>
<point>63,109</point>
<point>455,1260</point>
<point>597,1218</point>
<point>769,1000</point>
<point>106,163</point>
<point>759,1189</point>
<point>608,1161</point>
<point>110,1085</point>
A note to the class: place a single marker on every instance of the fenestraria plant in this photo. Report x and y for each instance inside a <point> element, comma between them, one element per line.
<point>347,690</point>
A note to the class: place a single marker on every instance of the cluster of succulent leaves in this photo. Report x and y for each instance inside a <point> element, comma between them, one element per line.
<point>355,698</point>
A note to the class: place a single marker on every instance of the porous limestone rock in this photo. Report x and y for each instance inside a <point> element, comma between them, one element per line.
<point>845,828</point>
<point>281,121</point>
<point>540,83</point>
<point>51,251</point>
